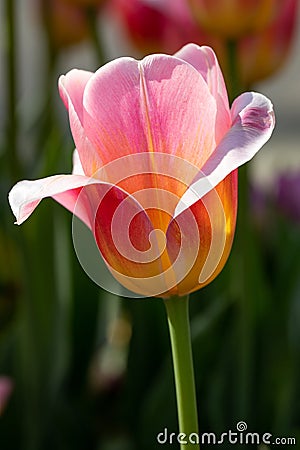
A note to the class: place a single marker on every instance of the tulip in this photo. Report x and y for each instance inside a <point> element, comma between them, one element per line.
<point>144,23</point>
<point>155,166</point>
<point>259,55</point>
<point>161,26</point>
<point>264,53</point>
<point>65,22</point>
<point>232,19</point>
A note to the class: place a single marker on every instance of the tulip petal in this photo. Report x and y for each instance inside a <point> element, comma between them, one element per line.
<point>204,60</point>
<point>71,88</point>
<point>179,109</point>
<point>252,125</point>
<point>79,194</point>
<point>112,115</point>
<point>77,166</point>
<point>150,106</point>
<point>26,195</point>
<point>128,243</point>
<point>203,255</point>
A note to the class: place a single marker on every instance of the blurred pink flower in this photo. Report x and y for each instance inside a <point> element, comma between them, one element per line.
<point>158,26</point>
<point>6,388</point>
<point>154,173</point>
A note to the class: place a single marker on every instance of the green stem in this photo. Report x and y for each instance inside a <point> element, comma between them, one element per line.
<point>179,328</point>
<point>234,82</point>
<point>45,124</point>
<point>245,249</point>
<point>12,119</point>
<point>91,14</point>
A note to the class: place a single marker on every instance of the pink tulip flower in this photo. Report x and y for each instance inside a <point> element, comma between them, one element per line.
<point>154,174</point>
<point>160,26</point>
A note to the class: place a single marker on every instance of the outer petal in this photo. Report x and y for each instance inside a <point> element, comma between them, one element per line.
<point>79,194</point>
<point>252,125</point>
<point>197,243</point>
<point>129,245</point>
<point>151,106</point>
<point>205,256</point>
<point>71,88</point>
<point>122,228</point>
<point>26,195</point>
<point>204,60</point>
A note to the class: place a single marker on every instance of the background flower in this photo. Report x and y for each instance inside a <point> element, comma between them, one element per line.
<point>162,26</point>
<point>233,19</point>
<point>65,22</point>
<point>263,53</point>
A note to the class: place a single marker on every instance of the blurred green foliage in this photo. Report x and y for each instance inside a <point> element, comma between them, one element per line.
<point>92,371</point>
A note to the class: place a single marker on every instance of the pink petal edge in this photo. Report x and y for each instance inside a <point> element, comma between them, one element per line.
<point>71,88</point>
<point>25,196</point>
<point>253,122</point>
<point>204,60</point>
<point>79,194</point>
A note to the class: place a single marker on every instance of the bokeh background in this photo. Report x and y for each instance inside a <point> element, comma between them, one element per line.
<point>82,369</point>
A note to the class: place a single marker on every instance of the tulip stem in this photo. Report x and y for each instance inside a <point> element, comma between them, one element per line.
<point>235,87</point>
<point>179,328</point>
<point>12,116</point>
<point>92,19</point>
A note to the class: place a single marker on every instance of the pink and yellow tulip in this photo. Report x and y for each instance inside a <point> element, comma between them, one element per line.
<point>155,170</point>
